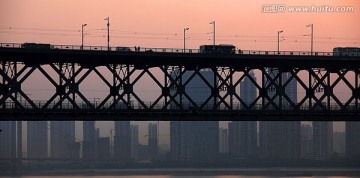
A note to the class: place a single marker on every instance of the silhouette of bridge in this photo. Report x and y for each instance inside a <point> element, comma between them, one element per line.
<point>320,76</point>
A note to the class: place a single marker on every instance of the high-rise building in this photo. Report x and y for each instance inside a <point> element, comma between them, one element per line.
<point>89,140</point>
<point>103,148</point>
<point>323,140</point>
<point>353,139</point>
<point>223,141</point>
<point>181,140</point>
<point>134,142</point>
<point>195,140</point>
<point>339,141</point>
<point>37,139</point>
<point>280,140</point>
<point>153,140</point>
<point>206,134</point>
<point>74,150</point>
<point>243,134</point>
<point>62,140</point>
<point>243,139</point>
<point>306,141</point>
<point>122,141</point>
<point>8,139</point>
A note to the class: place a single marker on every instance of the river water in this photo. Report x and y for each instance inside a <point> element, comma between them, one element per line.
<point>179,176</point>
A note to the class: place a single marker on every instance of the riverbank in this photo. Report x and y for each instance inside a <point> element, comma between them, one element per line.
<point>203,172</point>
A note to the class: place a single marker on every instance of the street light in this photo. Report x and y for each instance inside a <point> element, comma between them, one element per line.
<point>108,30</point>
<point>185,29</point>
<point>312,37</point>
<point>213,23</point>
<point>82,35</point>
<point>278,49</point>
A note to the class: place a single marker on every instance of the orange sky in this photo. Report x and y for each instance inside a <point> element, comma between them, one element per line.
<point>160,23</point>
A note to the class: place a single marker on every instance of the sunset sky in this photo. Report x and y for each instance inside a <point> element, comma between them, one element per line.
<point>249,25</point>
<point>160,23</point>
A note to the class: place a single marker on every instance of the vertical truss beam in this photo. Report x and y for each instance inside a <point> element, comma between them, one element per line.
<point>224,84</point>
<point>173,86</point>
<point>11,90</point>
<point>271,82</point>
<point>121,88</point>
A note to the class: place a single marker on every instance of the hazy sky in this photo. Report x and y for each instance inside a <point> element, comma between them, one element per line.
<point>250,25</point>
<point>160,23</point>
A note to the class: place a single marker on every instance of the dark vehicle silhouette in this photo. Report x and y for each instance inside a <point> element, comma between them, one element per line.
<point>346,51</point>
<point>119,48</point>
<point>222,48</point>
<point>36,46</point>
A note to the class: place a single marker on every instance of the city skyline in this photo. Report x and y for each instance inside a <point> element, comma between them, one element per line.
<point>322,147</point>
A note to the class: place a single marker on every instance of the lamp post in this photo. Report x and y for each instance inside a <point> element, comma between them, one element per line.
<point>312,37</point>
<point>213,23</point>
<point>82,35</point>
<point>108,32</point>
<point>278,48</point>
<point>185,29</point>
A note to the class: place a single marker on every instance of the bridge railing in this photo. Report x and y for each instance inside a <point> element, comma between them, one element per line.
<point>10,45</point>
<point>288,53</point>
<point>193,107</point>
<point>168,50</point>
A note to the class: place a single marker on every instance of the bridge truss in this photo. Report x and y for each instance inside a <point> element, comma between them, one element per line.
<point>330,93</point>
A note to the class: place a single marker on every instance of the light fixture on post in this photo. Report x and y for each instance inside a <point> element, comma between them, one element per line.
<point>82,35</point>
<point>278,48</point>
<point>213,23</point>
<point>108,32</point>
<point>185,29</point>
<point>312,37</point>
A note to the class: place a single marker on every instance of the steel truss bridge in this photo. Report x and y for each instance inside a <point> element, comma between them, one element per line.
<point>329,85</point>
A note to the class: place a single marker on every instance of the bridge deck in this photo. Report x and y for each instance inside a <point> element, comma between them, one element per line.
<point>255,59</point>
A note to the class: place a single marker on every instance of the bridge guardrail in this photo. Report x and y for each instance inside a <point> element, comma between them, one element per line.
<point>10,105</point>
<point>170,50</point>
